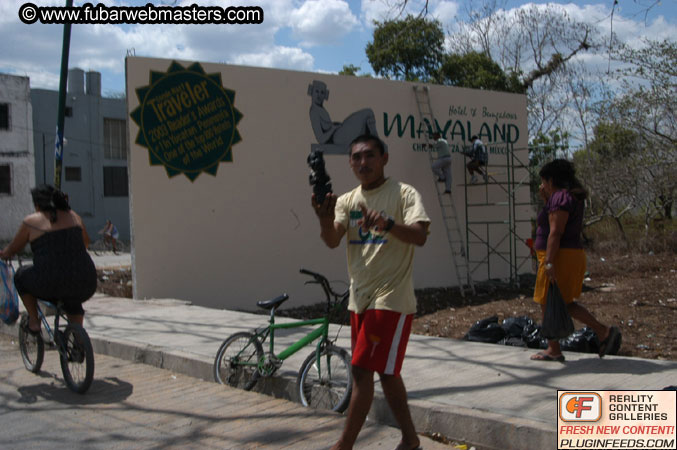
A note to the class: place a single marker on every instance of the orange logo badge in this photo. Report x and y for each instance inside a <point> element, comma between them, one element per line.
<point>580,407</point>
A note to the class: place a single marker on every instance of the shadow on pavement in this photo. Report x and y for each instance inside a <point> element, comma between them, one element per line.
<point>103,391</point>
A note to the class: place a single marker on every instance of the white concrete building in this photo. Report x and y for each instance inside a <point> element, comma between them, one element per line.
<point>95,152</point>
<point>17,167</point>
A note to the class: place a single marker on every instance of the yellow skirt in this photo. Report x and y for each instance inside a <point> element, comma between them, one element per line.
<point>570,271</point>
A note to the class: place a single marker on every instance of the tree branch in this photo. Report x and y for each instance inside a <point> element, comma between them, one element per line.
<point>556,61</point>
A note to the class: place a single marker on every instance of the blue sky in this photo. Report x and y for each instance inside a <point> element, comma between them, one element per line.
<point>308,35</point>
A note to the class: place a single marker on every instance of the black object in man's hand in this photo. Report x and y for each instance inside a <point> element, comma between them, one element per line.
<point>319,178</point>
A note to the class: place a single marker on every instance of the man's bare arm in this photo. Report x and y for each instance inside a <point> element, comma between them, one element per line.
<point>416,233</point>
<point>331,232</point>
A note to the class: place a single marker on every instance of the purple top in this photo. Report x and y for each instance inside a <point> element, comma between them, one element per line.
<point>571,238</point>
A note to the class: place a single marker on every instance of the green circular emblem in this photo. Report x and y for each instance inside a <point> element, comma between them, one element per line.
<point>187,120</point>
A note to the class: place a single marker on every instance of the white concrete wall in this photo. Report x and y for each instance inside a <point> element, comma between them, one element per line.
<point>240,236</point>
<point>16,149</point>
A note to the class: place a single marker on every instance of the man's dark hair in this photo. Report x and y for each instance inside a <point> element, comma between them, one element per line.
<point>363,139</point>
<point>473,137</point>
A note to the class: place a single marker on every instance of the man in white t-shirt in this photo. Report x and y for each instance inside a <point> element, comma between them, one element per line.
<point>384,220</point>
<point>442,165</point>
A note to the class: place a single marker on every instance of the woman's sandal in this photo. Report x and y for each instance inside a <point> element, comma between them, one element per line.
<point>31,331</point>
<point>542,356</point>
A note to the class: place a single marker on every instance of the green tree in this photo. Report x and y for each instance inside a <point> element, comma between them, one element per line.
<point>350,70</point>
<point>542,149</point>
<point>409,49</point>
<point>610,173</point>
<point>646,105</point>
<point>613,140</point>
<point>624,176</point>
<point>477,70</point>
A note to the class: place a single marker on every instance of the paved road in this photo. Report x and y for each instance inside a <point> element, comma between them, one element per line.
<point>136,406</point>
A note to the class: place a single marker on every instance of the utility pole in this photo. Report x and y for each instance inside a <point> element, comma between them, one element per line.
<point>58,150</point>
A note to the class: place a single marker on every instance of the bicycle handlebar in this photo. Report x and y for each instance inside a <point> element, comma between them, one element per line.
<point>308,272</point>
<point>322,280</point>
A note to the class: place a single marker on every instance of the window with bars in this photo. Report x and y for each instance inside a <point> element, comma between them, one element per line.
<point>5,179</point>
<point>115,182</point>
<point>114,139</point>
<point>4,116</point>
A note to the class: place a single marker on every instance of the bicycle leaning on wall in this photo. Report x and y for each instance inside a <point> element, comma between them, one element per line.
<point>324,380</point>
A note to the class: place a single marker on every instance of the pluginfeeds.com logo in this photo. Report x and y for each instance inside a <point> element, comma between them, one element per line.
<point>580,407</point>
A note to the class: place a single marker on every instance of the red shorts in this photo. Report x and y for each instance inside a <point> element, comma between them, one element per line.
<point>379,339</point>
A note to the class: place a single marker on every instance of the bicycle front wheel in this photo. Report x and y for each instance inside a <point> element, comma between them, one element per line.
<point>326,383</point>
<point>236,362</point>
<point>77,358</point>
<point>32,347</point>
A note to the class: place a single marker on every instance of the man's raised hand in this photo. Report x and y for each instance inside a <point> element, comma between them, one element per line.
<point>371,219</point>
<point>326,209</point>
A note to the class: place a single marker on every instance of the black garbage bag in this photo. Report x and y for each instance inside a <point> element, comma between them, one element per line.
<point>557,323</point>
<point>584,340</point>
<point>534,339</point>
<point>485,330</point>
<point>515,326</point>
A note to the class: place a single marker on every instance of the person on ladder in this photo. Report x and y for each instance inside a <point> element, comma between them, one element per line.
<point>442,165</point>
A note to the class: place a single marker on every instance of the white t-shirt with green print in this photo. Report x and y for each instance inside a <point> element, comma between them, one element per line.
<point>380,265</point>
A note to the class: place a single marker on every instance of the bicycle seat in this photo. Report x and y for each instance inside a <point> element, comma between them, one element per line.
<point>272,303</point>
<point>50,307</point>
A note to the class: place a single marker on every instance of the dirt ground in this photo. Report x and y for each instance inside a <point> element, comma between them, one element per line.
<point>116,283</point>
<point>636,292</point>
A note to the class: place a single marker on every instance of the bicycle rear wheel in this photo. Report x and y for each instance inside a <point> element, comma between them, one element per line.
<point>236,362</point>
<point>77,358</point>
<point>32,347</point>
<point>327,383</point>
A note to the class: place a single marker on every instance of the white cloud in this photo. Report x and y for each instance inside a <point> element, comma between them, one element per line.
<point>445,12</point>
<point>629,26</point>
<point>319,22</point>
<point>372,10</point>
<point>279,57</point>
<point>380,10</point>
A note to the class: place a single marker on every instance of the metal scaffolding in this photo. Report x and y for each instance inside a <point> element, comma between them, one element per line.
<point>490,240</point>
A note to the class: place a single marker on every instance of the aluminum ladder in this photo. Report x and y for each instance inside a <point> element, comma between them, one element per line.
<point>449,215</point>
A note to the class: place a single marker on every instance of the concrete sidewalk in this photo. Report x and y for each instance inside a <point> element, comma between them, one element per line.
<point>489,395</point>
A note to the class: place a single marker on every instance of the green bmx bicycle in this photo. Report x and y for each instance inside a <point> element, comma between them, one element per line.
<point>324,380</point>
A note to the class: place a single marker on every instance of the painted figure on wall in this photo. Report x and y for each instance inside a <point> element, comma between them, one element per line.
<point>335,137</point>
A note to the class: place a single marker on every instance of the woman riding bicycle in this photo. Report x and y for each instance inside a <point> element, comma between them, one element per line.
<point>62,269</point>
